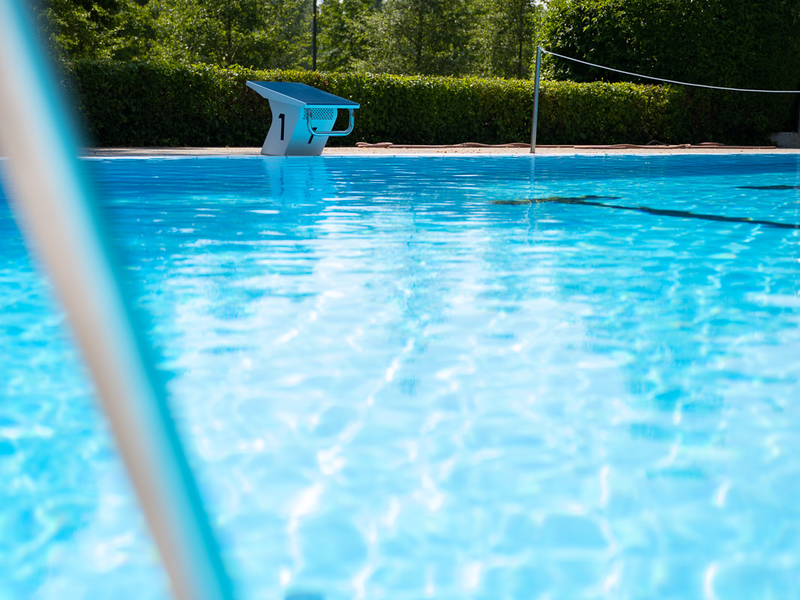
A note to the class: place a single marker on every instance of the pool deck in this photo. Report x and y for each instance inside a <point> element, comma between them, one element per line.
<point>387,149</point>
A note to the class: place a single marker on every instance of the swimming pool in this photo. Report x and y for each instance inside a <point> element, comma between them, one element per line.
<point>455,377</point>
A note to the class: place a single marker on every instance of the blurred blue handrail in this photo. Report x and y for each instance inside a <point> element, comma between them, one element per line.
<point>59,217</point>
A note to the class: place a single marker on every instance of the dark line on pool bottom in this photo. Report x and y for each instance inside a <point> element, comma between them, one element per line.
<point>769,187</point>
<point>683,214</point>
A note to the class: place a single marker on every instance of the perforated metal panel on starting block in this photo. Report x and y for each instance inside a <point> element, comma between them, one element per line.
<point>302,117</point>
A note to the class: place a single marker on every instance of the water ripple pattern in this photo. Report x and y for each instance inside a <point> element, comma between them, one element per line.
<point>405,378</point>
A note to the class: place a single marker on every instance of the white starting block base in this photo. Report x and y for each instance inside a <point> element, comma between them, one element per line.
<point>302,118</point>
<point>288,135</point>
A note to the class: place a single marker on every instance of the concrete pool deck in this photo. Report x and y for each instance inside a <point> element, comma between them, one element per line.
<point>387,149</point>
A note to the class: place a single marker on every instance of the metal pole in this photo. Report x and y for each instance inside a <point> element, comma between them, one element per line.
<point>314,39</point>
<point>55,205</point>
<point>535,123</point>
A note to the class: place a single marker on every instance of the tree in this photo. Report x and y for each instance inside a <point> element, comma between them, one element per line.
<point>95,29</point>
<point>506,37</point>
<point>425,37</point>
<point>254,33</point>
<point>344,33</point>
<point>734,43</point>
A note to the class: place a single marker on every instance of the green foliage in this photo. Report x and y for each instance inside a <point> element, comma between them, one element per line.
<point>344,35</point>
<point>730,43</point>
<point>506,37</point>
<point>611,113</point>
<point>162,104</point>
<point>94,29</point>
<point>714,42</point>
<point>425,37</point>
<point>260,33</point>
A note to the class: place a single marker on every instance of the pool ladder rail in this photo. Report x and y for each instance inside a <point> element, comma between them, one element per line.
<point>60,219</point>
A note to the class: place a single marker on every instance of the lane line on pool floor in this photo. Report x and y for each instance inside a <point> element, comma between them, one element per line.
<point>683,214</point>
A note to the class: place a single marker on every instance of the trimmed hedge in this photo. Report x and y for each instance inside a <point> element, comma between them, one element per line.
<point>728,43</point>
<point>156,104</point>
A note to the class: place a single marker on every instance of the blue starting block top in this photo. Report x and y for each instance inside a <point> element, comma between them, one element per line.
<point>300,94</point>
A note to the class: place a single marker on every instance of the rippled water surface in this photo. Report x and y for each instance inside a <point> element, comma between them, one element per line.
<point>449,378</point>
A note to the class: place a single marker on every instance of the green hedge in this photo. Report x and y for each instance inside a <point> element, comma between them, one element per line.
<point>728,43</point>
<point>146,104</point>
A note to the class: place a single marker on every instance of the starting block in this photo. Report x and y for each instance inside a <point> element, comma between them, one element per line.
<point>302,117</point>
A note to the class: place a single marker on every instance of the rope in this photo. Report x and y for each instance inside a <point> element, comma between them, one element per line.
<point>698,85</point>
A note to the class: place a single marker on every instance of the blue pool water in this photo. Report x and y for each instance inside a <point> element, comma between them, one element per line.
<point>398,378</point>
